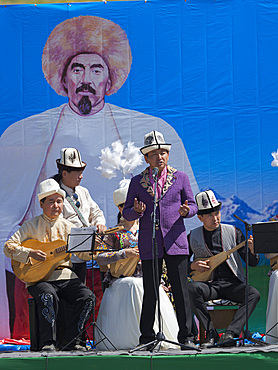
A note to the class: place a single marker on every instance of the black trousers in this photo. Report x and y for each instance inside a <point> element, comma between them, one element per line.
<point>47,296</point>
<point>177,273</point>
<point>81,270</point>
<point>234,290</point>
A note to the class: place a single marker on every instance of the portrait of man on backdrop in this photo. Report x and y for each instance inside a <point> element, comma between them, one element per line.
<point>85,59</point>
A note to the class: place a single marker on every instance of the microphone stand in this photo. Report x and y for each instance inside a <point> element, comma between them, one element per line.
<point>247,334</point>
<point>160,337</point>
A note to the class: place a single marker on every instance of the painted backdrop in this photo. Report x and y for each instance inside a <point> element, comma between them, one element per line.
<point>203,72</point>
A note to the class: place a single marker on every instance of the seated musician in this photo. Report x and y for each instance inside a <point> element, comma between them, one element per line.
<point>228,279</point>
<point>62,283</point>
<point>119,314</point>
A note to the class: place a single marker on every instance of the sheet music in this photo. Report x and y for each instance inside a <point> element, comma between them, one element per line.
<point>80,239</point>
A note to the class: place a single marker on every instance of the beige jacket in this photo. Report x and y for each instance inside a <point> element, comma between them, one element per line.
<point>43,229</point>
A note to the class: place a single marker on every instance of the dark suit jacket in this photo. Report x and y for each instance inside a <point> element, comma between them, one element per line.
<point>171,232</point>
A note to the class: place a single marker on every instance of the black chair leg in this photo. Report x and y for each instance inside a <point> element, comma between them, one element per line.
<point>33,325</point>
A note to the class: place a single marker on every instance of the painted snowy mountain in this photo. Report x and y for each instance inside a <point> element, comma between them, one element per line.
<point>235,206</point>
<point>270,211</point>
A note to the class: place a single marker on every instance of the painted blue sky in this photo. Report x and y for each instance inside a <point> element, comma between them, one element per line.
<point>209,68</point>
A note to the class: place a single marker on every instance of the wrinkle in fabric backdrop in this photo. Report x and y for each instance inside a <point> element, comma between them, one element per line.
<point>207,67</point>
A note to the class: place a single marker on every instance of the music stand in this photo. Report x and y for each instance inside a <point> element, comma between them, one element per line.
<point>265,236</point>
<point>83,240</point>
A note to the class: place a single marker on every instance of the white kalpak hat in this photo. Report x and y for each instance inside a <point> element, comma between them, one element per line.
<point>70,157</point>
<point>154,140</point>
<point>119,195</point>
<point>207,202</point>
<point>49,187</point>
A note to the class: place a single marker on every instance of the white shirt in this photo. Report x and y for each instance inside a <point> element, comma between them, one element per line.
<point>91,212</point>
<point>88,208</point>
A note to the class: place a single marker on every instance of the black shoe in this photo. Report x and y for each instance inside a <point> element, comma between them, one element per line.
<point>145,347</point>
<point>227,340</point>
<point>211,339</point>
<point>148,342</point>
<point>189,346</point>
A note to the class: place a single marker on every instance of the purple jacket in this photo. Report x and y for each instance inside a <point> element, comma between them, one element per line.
<point>172,233</point>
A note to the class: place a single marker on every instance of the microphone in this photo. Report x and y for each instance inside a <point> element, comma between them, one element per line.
<point>155,172</point>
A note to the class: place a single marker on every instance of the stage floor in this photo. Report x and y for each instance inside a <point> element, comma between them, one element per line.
<point>240,357</point>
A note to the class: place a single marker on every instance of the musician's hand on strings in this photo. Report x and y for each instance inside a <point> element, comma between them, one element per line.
<point>200,265</point>
<point>101,228</point>
<point>37,255</point>
<point>138,206</point>
<point>98,241</point>
<point>251,244</point>
<point>131,252</point>
<point>184,209</point>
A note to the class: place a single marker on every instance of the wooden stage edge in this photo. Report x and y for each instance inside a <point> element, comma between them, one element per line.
<point>234,358</point>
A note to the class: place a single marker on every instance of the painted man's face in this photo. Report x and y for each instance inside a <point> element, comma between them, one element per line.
<point>87,81</point>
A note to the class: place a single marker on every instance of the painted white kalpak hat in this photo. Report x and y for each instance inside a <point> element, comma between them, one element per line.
<point>86,35</point>
<point>49,187</point>
<point>119,195</point>
<point>207,202</point>
<point>70,157</point>
<point>154,140</point>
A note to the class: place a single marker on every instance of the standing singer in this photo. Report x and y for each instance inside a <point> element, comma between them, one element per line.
<point>175,201</point>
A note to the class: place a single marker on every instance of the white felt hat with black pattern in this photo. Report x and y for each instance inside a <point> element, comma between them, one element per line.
<point>70,157</point>
<point>207,202</point>
<point>154,140</point>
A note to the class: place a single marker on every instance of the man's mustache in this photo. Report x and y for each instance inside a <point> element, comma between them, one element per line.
<point>85,87</point>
